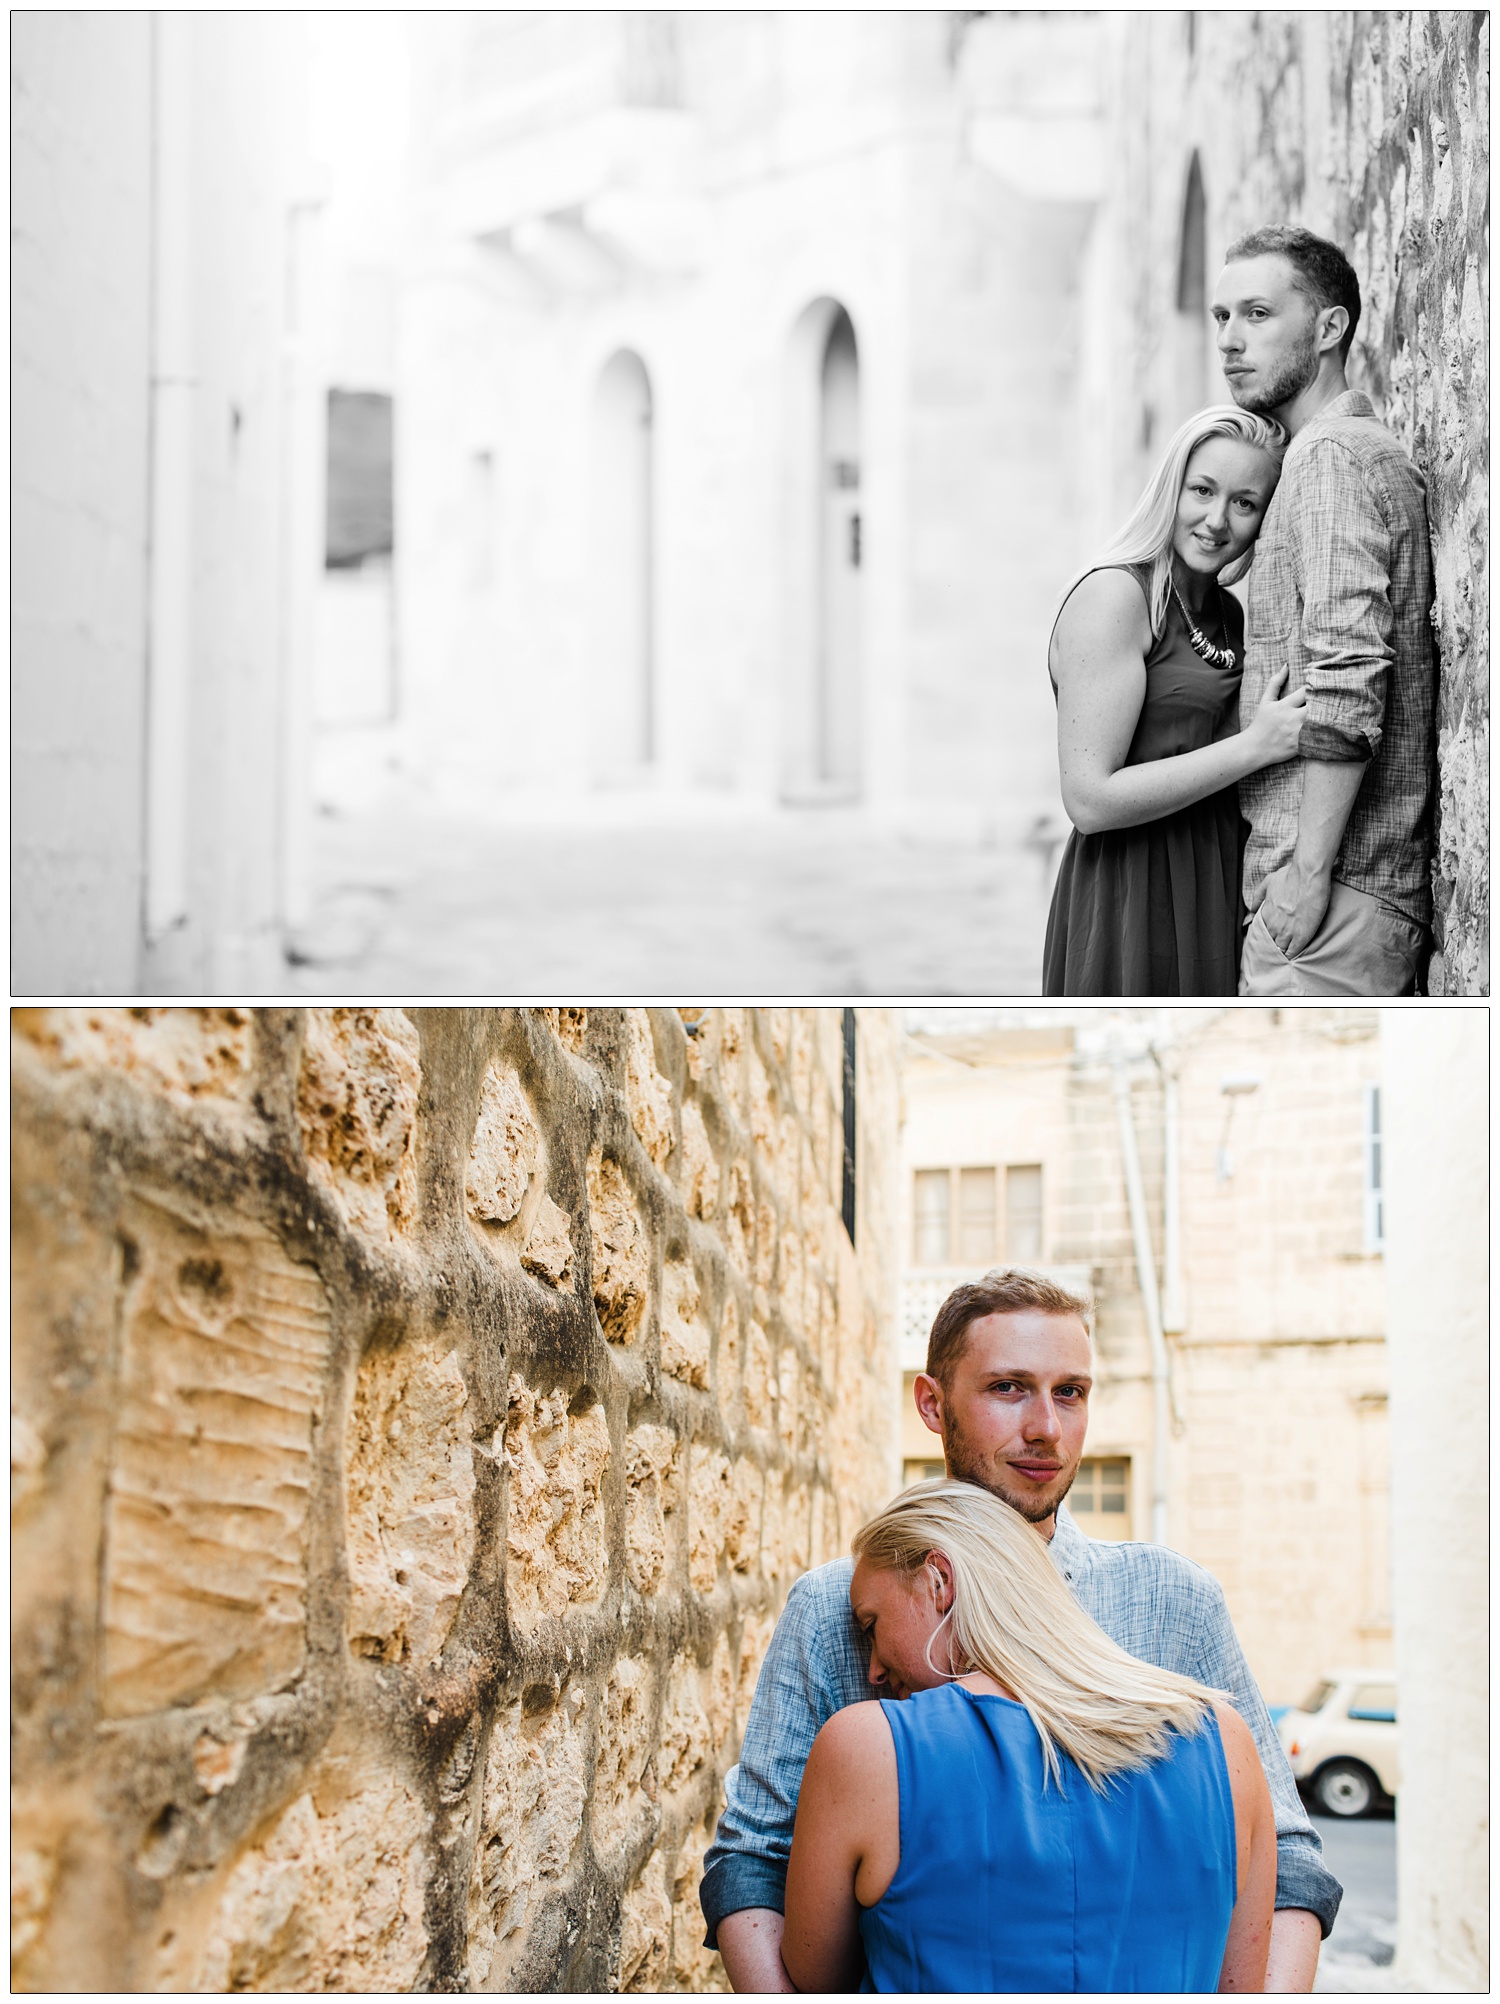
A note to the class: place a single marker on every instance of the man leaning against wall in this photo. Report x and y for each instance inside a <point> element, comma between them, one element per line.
<point>1338,863</point>
<point>1006,1386</point>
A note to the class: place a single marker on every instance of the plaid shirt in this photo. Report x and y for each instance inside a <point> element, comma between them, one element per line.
<point>1341,588</point>
<point>1156,1604</point>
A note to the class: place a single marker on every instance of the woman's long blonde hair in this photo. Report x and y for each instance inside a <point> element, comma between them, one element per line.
<point>1146,538</point>
<point>1013,1618</point>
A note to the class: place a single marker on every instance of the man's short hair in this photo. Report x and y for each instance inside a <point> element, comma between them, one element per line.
<point>999,1293</point>
<point>1324,274</point>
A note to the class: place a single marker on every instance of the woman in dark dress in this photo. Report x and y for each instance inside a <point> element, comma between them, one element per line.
<point>1145,659</point>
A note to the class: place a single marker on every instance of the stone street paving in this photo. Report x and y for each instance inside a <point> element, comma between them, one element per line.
<point>411,900</point>
<point>1361,1853</point>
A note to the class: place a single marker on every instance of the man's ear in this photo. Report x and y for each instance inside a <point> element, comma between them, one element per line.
<point>1333,325</point>
<point>928,1394</point>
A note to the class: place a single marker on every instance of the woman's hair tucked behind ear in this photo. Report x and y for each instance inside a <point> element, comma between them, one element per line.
<point>1146,537</point>
<point>1014,1619</point>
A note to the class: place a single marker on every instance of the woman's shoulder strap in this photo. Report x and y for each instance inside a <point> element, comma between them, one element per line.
<point>1141,574</point>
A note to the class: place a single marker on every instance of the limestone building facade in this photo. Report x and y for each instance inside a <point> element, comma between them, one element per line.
<point>1264,1247</point>
<point>418,1419</point>
<point>167,492</point>
<point>1439,1204</point>
<point>734,401</point>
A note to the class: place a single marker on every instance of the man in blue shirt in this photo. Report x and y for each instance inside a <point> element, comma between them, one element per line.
<point>1007,1385</point>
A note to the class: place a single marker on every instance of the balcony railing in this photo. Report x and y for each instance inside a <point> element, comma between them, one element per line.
<point>924,1289</point>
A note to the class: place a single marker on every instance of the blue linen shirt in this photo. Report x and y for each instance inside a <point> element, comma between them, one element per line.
<point>1152,1601</point>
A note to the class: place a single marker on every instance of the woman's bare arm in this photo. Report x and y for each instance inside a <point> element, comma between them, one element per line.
<point>1244,1964</point>
<point>848,1817</point>
<point>1099,654</point>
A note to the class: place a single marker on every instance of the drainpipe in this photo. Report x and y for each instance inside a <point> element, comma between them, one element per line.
<point>1145,1267</point>
<point>170,599</point>
<point>1173,1313</point>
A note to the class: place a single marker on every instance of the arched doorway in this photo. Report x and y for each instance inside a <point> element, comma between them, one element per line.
<point>623,737</point>
<point>841,562</point>
<point>825,559</point>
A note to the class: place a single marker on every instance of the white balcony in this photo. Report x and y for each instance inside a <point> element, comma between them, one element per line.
<point>924,1289</point>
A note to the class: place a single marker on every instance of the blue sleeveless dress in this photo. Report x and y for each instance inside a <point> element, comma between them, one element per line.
<point>1006,1885</point>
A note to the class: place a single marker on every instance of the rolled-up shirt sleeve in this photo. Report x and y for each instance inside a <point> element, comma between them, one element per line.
<point>795,1693</point>
<point>1343,557</point>
<point>1302,1879</point>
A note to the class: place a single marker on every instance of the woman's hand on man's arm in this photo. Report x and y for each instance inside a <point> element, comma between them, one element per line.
<point>1103,638</point>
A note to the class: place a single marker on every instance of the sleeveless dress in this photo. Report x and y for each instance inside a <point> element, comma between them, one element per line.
<point>1006,1885</point>
<point>1156,910</point>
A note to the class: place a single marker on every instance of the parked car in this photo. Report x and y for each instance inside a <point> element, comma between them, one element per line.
<point>1341,1740</point>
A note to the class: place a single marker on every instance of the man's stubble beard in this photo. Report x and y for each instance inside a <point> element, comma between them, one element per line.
<point>965,1464</point>
<point>1297,372</point>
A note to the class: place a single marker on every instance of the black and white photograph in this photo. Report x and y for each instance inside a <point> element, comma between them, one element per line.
<point>749,1008</point>
<point>796,503</point>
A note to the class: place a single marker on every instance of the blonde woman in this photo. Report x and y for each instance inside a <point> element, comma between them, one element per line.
<point>1145,657</point>
<point>1043,1812</point>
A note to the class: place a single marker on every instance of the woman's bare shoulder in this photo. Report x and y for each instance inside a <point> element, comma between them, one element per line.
<point>1240,1751</point>
<point>1107,606</point>
<point>854,1733</point>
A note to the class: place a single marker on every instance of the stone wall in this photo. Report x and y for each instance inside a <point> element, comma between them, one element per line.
<point>1373,129</point>
<point>418,1419</point>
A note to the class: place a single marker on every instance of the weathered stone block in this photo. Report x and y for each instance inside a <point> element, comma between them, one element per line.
<point>622,1256</point>
<point>555,1527</point>
<point>742,1532</point>
<point>647,1093</point>
<point>700,1168</point>
<point>684,1339</point>
<point>693,1966</point>
<point>204,1580</point>
<point>505,1151</point>
<point>626,1754</point>
<point>189,1053</point>
<point>653,1484</point>
<point>357,1101</point>
<point>531,1818</point>
<point>410,1502</point>
<point>328,1901</point>
<point>710,1506</point>
<point>645,1931</point>
<point>686,1737</point>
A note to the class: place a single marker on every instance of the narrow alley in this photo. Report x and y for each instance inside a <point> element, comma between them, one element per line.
<point>421,901</point>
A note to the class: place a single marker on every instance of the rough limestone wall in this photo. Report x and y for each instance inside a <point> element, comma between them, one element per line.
<point>1373,128</point>
<point>418,1420</point>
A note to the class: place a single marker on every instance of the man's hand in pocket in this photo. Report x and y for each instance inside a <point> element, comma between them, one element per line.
<point>1296,903</point>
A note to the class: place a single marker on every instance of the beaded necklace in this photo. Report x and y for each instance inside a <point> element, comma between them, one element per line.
<point>1218,657</point>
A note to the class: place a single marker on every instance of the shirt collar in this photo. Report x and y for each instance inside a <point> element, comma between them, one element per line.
<point>1347,404</point>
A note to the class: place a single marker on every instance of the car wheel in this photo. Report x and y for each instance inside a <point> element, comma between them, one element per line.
<point>1344,1788</point>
